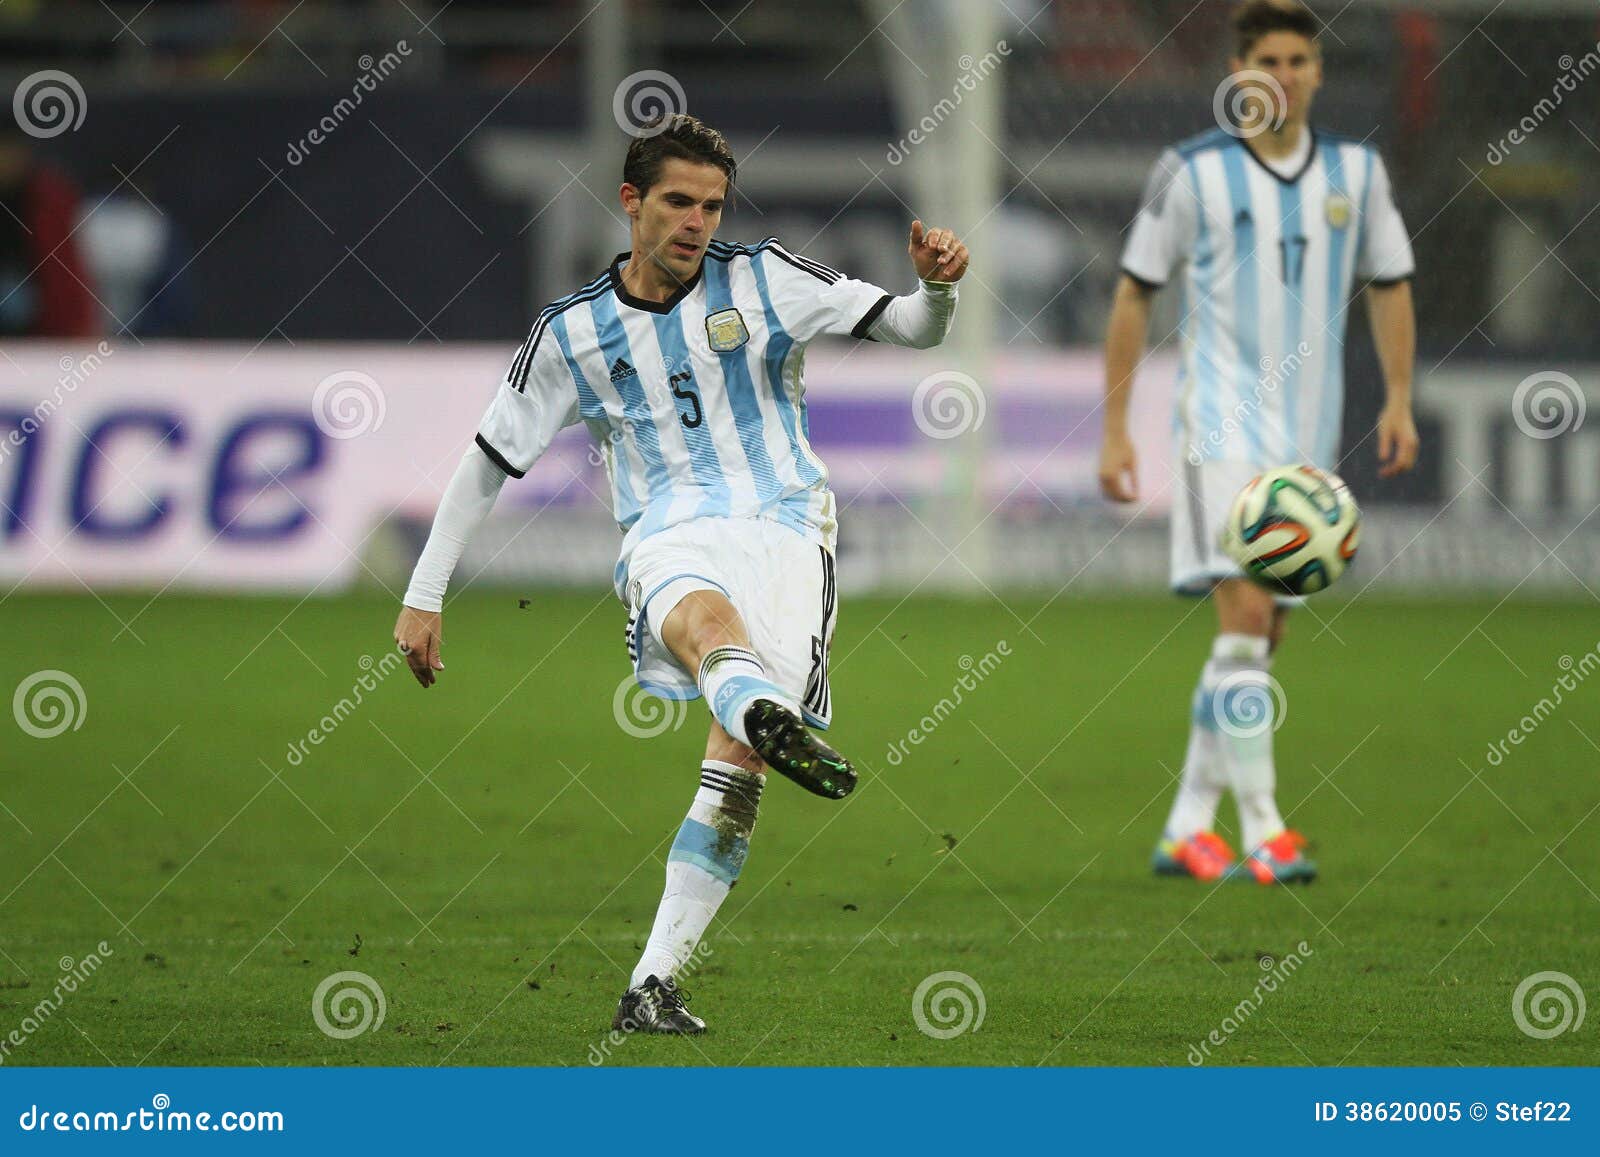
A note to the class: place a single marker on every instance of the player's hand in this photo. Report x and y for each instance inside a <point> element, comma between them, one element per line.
<point>936,254</point>
<point>1397,441</point>
<point>1119,476</point>
<point>418,634</point>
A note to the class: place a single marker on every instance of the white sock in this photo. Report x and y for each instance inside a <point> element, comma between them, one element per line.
<point>732,678</point>
<point>1194,810</point>
<point>702,866</point>
<point>1244,714</point>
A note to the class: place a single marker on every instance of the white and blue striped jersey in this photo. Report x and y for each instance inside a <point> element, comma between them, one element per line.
<point>697,402</point>
<point>1270,262</point>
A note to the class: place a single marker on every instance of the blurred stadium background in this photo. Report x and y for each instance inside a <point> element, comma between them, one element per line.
<point>466,172</point>
<point>262,267</point>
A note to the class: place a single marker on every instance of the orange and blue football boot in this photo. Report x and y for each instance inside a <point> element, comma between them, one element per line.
<point>1203,856</point>
<point>1280,860</point>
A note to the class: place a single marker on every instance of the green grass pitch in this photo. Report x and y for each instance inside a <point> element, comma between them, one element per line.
<point>490,851</point>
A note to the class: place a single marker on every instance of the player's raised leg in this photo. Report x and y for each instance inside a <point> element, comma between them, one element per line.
<point>1243,711</point>
<point>702,867</point>
<point>706,635</point>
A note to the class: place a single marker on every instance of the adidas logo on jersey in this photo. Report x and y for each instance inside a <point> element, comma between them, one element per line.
<point>1243,219</point>
<point>621,369</point>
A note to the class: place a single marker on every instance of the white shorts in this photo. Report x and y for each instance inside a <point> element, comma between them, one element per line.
<point>781,583</point>
<point>1200,504</point>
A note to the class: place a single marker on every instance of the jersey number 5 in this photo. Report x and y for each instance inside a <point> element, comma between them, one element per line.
<point>688,395</point>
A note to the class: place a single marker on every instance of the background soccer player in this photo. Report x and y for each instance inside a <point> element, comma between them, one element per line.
<point>1274,223</point>
<point>684,359</point>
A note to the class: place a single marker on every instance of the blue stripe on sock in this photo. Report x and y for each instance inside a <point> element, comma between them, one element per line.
<point>704,847</point>
<point>736,694</point>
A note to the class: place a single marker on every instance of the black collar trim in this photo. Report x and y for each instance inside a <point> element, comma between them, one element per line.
<point>666,306</point>
<point>1311,156</point>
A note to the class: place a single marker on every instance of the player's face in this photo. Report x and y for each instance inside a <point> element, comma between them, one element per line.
<point>1293,61</point>
<point>675,220</point>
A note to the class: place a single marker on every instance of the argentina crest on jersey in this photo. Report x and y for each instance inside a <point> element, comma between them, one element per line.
<point>1338,210</point>
<point>726,331</point>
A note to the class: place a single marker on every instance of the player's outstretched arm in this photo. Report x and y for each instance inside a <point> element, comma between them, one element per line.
<point>1394,331</point>
<point>1125,337</point>
<point>467,501</point>
<point>921,320</point>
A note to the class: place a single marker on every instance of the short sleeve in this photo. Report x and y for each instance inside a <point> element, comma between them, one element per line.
<point>1166,226</point>
<point>537,398</point>
<point>1385,251</point>
<point>811,299</point>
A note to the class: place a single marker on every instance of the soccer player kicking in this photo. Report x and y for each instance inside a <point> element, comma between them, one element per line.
<point>684,359</point>
<point>1274,223</point>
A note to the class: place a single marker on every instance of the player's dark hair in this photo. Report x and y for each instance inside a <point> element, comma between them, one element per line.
<point>676,135</point>
<point>1257,18</point>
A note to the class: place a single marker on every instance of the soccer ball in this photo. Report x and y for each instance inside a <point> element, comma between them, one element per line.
<point>1293,529</point>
